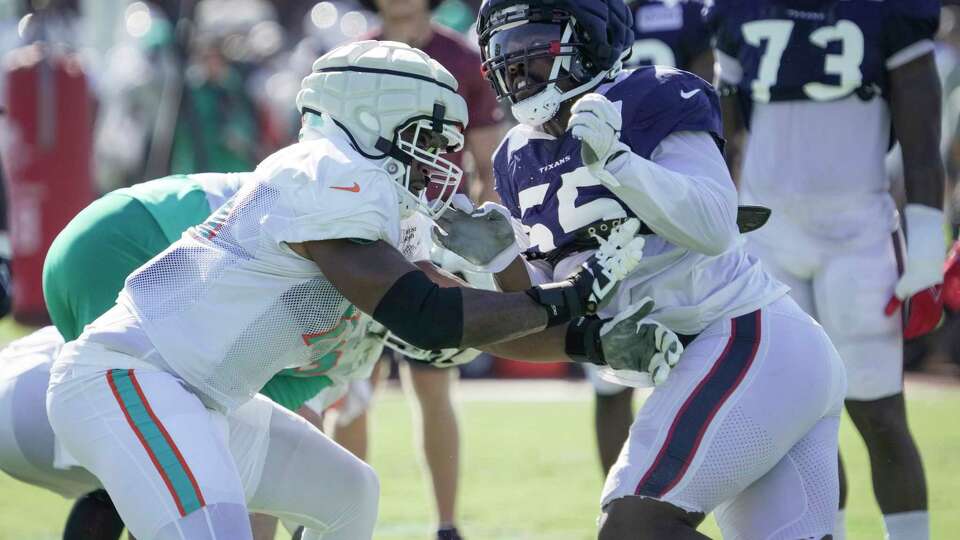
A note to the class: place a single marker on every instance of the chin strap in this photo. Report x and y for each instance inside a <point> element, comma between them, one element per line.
<point>390,149</point>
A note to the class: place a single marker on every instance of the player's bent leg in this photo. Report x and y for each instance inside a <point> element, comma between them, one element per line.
<point>796,499</point>
<point>306,478</point>
<point>746,391</point>
<point>643,518</point>
<point>156,449</point>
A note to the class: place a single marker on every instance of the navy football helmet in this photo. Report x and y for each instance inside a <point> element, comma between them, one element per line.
<point>540,53</point>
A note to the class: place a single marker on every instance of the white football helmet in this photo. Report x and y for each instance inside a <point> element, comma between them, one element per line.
<point>397,104</point>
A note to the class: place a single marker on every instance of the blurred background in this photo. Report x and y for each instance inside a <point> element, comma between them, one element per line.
<point>103,94</point>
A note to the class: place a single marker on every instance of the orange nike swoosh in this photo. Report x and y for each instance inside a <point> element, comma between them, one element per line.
<point>355,188</point>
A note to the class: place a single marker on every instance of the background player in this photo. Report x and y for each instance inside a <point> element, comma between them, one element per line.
<point>732,428</point>
<point>821,87</point>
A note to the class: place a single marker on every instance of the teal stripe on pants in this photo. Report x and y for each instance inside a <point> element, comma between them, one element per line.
<point>161,449</point>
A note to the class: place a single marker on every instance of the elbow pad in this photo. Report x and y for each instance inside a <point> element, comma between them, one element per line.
<point>422,313</point>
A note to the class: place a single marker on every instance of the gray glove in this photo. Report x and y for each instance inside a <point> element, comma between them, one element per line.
<point>631,341</point>
<point>484,238</point>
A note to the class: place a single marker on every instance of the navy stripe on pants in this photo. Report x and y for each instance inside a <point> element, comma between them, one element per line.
<point>701,406</point>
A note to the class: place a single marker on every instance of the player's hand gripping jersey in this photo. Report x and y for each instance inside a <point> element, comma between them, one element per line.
<point>668,33</point>
<point>688,266</point>
<point>812,77</point>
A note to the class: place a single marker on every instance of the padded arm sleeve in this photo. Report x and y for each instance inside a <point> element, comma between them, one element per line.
<point>422,313</point>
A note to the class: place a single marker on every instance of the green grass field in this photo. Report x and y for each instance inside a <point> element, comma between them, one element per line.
<point>530,470</point>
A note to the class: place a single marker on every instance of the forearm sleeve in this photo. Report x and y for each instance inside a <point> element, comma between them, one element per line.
<point>684,193</point>
<point>421,313</point>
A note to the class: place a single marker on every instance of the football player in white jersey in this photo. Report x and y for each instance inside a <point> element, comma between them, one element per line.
<point>824,88</point>
<point>746,424</point>
<point>274,279</point>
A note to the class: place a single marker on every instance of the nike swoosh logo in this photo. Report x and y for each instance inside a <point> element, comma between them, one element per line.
<point>355,188</point>
<point>690,94</point>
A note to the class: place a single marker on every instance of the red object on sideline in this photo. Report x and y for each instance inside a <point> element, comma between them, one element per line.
<point>515,369</point>
<point>47,149</point>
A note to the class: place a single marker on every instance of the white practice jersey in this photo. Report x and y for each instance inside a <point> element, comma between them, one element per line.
<point>230,304</point>
<point>821,165</point>
<point>219,187</point>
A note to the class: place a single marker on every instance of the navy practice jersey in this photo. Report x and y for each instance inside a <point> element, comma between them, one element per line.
<point>542,180</point>
<point>818,50</point>
<point>668,33</point>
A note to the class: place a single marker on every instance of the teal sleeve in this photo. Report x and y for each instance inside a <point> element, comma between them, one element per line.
<point>292,392</point>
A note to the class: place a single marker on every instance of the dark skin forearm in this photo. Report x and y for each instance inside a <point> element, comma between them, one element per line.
<point>546,346</point>
<point>363,273</point>
<point>514,278</point>
<point>702,66</point>
<point>915,112</point>
<point>490,317</point>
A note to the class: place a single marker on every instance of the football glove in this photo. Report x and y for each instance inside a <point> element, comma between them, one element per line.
<point>485,237</point>
<point>585,292</point>
<point>596,122</point>
<point>630,341</point>
<point>920,286</point>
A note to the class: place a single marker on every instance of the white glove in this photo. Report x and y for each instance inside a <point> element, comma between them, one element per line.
<point>618,255</point>
<point>926,250</point>
<point>485,238</point>
<point>631,341</point>
<point>596,122</point>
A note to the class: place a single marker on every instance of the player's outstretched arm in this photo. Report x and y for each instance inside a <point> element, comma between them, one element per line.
<point>381,282</point>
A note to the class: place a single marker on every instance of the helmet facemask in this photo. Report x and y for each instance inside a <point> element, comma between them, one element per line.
<point>519,38</point>
<point>426,181</point>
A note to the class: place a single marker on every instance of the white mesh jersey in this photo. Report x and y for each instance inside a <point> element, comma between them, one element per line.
<point>230,304</point>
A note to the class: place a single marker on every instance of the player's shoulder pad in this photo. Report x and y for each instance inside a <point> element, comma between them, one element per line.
<point>320,162</point>
<point>325,190</point>
<point>657,101</point>
<point>503,160</point>
<point>515,139</point>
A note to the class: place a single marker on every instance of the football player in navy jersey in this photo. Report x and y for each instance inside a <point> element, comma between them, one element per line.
<point>746,423</point>
<point>823,84</point>
<point>666,33</point>
<point>671,33</point>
